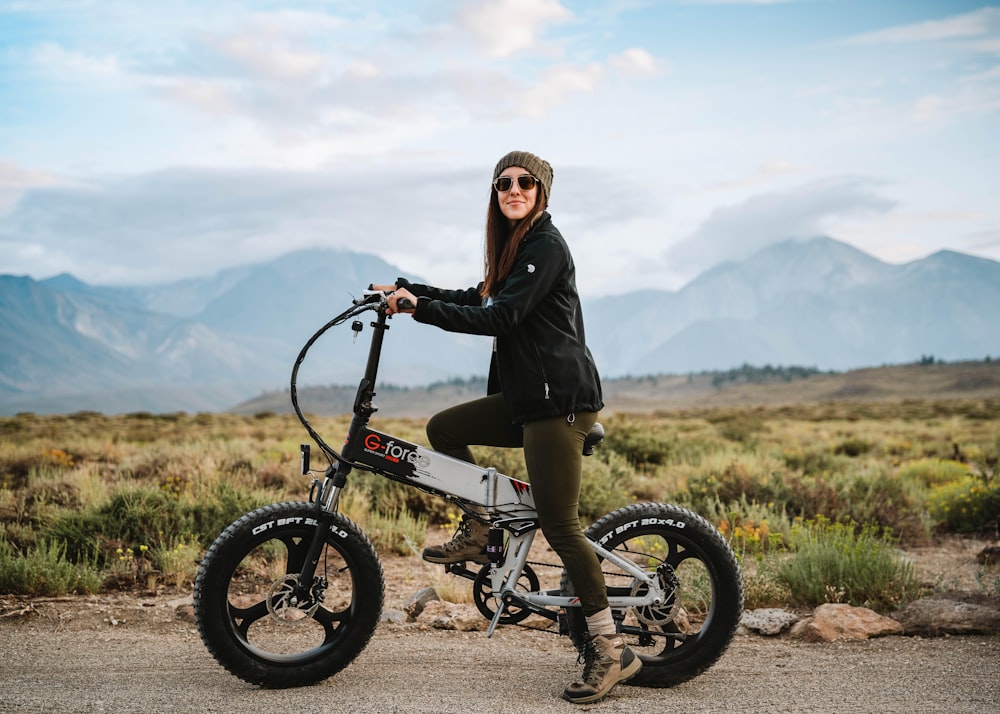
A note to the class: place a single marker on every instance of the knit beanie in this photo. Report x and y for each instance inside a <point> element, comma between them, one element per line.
<point>537,167</point>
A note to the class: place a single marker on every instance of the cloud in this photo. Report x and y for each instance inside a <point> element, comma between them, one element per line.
<point>984,22</point>
<point>637,61</point>
<point>503,28</point>
<point>15,180</point>
<point>171,224</point>
<point>557,85</point>
<point>735,232</point>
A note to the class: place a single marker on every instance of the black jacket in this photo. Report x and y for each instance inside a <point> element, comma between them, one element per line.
<point>541,362</point>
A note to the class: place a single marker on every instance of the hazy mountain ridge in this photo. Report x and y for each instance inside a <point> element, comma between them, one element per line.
<point>66,345</point>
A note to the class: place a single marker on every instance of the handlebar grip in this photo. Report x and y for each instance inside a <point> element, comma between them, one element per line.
<point>405,304</point>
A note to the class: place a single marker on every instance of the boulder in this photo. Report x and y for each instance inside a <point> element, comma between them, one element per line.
<point>768,620</point>
<point>442,615</point>
<point>951,614</point>
<point>416,603</point>
<point>835,621</point>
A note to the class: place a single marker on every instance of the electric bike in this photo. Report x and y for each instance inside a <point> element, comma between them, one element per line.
<point>291,593</point>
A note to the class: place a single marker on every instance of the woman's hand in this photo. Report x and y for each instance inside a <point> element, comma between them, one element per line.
<point>397,296</point>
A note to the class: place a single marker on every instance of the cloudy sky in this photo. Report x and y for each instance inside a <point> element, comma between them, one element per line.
<point>146,142</point>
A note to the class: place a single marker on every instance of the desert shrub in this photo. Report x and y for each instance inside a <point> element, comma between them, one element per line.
<point>887,501</point>
<point>751,527</point>
<point>808,496</point>
<point>841,562</point>
<point>177,562</point>
<point>812,460</point>
<point>43,570</point>
<point>150,516</point>
<point>401,532</point>
<point>933,472</point>
<point>605,486</point>
<point>853,447</point>
<point>735,480</point>
<point>205,515</point>
<point>967,505</point>
<point>762,582</point>
<point>741,427</point>
<point>639,443</point>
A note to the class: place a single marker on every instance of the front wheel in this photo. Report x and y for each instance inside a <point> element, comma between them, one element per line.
<point>247,609</point>
<point>687,633</point>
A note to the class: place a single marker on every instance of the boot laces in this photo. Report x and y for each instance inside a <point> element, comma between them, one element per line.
<point>463,536</point>
<point>595,663</point>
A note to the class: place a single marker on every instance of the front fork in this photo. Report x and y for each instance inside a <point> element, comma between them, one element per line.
<point>326,495</point>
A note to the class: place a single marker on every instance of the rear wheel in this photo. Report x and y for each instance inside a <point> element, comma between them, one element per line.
<point>247,609</point>
<point>687,633</point>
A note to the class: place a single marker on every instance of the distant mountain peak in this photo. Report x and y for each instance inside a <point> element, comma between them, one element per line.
<point>817,302</point>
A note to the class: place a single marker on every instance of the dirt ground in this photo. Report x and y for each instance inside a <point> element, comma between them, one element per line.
<point>139,652</point>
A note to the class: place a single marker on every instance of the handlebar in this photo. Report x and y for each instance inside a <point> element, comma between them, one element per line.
<point>371,299</point>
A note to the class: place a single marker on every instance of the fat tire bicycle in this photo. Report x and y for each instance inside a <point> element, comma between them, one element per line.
<point>291,593</point>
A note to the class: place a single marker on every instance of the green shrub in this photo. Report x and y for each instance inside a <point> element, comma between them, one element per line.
<point>885,500</point>
<point>762,584</point>
<point>742,428</point>
<point>812,460</point>
<point>751,528</point>
<point>853,447</point>
<point>840,562</point>
<point>965,506</point>
<point>933,472</point>
<point>639,443</point>
<point>44,571</point>
<point>735,481</point>
<point>401,532</point>
<point>605,485</point>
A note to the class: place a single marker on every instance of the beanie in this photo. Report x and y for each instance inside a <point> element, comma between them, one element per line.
<point>537,167</point>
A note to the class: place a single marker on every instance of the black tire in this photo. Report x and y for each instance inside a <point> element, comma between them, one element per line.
<point>245,617</point>
<point>686,635</point>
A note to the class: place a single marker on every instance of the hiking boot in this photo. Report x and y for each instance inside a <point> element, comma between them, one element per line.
<point>607,662</point>
<point>469,543</point>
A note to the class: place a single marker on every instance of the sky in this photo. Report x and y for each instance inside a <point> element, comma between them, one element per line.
<point>144,143</point>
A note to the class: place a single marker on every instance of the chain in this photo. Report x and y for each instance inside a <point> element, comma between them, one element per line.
<point>560,565</point>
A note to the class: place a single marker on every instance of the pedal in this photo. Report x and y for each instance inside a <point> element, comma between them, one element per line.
<point>460,570</point>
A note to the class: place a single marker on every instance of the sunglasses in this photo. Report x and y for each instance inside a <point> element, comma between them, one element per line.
<point>525,182</point>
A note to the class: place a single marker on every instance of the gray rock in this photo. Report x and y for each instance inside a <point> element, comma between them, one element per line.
<point>951,614</point>
<point>416,603</point>
<point>768,620</point>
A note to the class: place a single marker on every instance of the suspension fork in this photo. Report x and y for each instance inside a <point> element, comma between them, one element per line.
<point>326,502</point>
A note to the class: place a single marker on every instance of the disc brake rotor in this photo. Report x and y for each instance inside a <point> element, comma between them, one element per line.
<point>283,605</point>
<point>659,616</point>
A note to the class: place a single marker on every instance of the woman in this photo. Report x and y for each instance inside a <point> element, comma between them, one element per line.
<point>544,392</point>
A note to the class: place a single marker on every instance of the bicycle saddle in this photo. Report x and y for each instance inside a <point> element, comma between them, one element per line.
<point>594,437</point>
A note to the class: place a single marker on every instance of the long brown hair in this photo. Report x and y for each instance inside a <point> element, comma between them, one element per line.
<point>503,240</point>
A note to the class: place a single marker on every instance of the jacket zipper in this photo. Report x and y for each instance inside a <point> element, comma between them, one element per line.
<point>541,370</point>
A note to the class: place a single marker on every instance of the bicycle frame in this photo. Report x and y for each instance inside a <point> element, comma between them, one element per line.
<point>507,501</point>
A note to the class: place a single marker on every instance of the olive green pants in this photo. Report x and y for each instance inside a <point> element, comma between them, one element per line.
<point>553,453</point>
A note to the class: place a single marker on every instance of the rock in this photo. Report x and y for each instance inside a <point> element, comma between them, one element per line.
<point>768,620</point>
<point>834,621</point>
<point>395,617</point>
<point>538,622</point>
<point>418,601</point>
<point>185,612</point>
<point>442,615</point>
<point>951,614</point>
<point>990,555</point>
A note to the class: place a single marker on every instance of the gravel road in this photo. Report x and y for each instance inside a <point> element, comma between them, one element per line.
<point>105,664</point>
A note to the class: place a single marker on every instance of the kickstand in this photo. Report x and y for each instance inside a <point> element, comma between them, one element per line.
<point>496,616</point>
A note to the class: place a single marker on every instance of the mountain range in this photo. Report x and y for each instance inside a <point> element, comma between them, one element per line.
<point>207,344</point>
